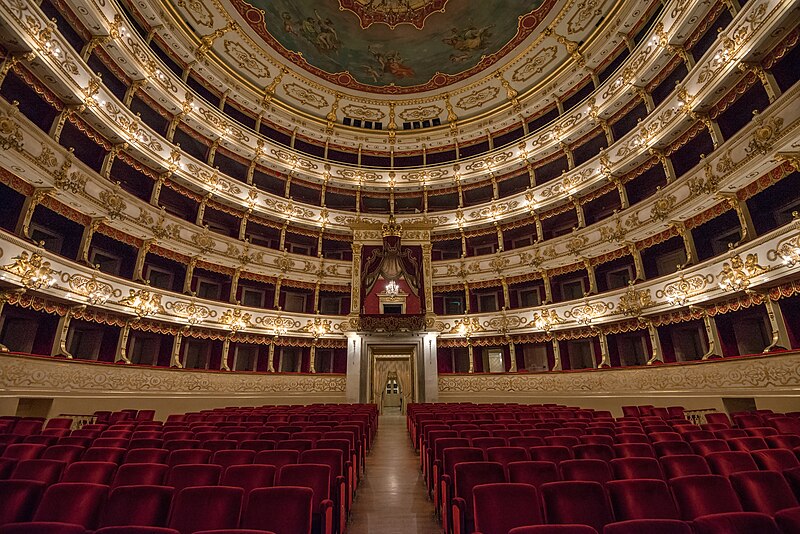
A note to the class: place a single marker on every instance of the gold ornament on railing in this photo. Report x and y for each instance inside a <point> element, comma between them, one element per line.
<point>736,275</point>
<point>678,293</point>
<point>788,250</point>
<point>546,320</point>
<point>33,270</point>
<point>318,327</point>
<point>143,302</point>
<point>96,292</point>
<point>466,327</point>
<point>634,301</point>
<point>236,320</point>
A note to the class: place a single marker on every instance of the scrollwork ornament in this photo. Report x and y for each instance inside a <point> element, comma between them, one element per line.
<point>10,133</point>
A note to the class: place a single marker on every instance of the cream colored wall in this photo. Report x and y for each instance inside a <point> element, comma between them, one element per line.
<point>82,388</point>
<point>773,381</point>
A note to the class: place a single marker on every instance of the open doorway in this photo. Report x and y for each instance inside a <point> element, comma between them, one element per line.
<point>392,396</point>
<point>393,377</point>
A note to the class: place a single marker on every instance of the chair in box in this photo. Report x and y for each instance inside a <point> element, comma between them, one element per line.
<point>586,470</point>
<point>94,472</point>
<point>71,502</point>
<point>593,452</point>
<point>672,448</point>
<point>24,451</point>
<point>45,471</point>
<point>237,457</point>
<point>709,446</point>
<point>499,507</point>
<point>506,455</point>
<point>188,456</point>
<point>763,491</point>
<point>257,445</point>
<point>317,477</point>
<point>467,475</point>
<point>534,473</point>
<point>452,457</point>
<point>188,475</point>
<point>249,476</point>
<point>628,468</point>
<point>641,499</point>
<point>20,499</point>
<point>206,508</point>
<point>698,495</point>
<point>634,450</point>
<point>735,523</point>
<point>727,462</point>
<point>573,502</point>
<point>748,444</point>
<point>282,510</point>
<point>278,458</point>
<point>137,506</point>
<point>140,474</point>
<point>550,453</point>
<point>104,454</point>
<point>650,526</point>
<point>684,464</point>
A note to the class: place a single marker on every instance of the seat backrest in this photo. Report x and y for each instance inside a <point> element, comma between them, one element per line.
<point>576,502</point>
<point>728,462</point>
<point>671,448</point>
<point>19,500</point>
<point>237,457</point>
<point>499,507</point>
<point>140,474</point>
<point>487,442</point>
<point>188,456</point>
<point>278,457</point>
<point>249,476</point>
<point>750,443</point>
<point>775,459</point>
<point>146,505</point>
<point>206,508</point>
<point>46,471</point>
<point>147,456</point>
<point>585,469</point>
<point>72,502</point>
<point>456,455</point>
<point>630,468</point>
<point>506,455</point>
<point>257,445</point>
<point>317,477</point>
<point>467,475</point>
<point>763,491</point>
<point>550,453</point>
<point>94,472</point>
<point>634,450</point>
<point>298,445</point>
<point>708,446</point>
<point>104,454</point>
<point>188,475</point>
<point>681,465</point>
<point>698,495</point>
<point>534,473</point>
<point>281,510</point>
<point>641,499</point>
<point>24,451</point>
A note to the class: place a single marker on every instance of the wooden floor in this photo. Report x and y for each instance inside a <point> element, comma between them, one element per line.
<point>391,497</point>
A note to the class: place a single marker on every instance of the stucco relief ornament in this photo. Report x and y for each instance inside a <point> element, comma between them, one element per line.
<point>10,134</point>
<point>393,12</point>
<point>634,301</point>
<point>736,275</point>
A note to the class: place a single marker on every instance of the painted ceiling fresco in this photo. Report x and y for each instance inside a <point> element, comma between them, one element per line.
<point>393,45</point>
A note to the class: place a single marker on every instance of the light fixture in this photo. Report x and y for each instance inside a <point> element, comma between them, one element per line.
<point>235,320</point>
<point>143,302</point>
<point>318,327</point>
<point>33,270</point>
<point>392,288</point>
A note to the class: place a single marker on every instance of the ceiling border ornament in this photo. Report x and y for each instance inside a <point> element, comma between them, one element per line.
<point>415,16</point>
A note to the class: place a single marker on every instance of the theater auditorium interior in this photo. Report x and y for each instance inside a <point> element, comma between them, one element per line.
<point>399,266</point>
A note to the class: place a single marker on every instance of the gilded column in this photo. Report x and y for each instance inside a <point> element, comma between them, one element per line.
<point>506,293</point>
<point>175,357</point>
<point>271,355</point>
<point>767,79</point>
<point>587,264</point>
<point>187,280</point>
<point>427,272</point>
<point>548,288</point>
<point>61,119</point>
<point>138,269</point>
<point>276,301</point>
<point>780,335</point>
<point>156,193</point>
<point>605,356</point>
<point>312,356</point>
<point>710,326</point>
<point>60,347</point>
<point>355,280</point>
<point>688,242</point>
<point>655,342</point>
<point>471,353</point>
<point>747,228</point>
<point>556,356</point>
<point>201,210</point>
<point>23,227</point>
<point>111,156</point>
<point>512,351</point>
<point>237,273</point>
<point>638,265</point>
<point>86,238</point>
<point>226,348</point>
<point>122,344</point>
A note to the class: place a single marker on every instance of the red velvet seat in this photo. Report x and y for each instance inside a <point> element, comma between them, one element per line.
<point>140,474</point>
<point>672,448</point>
<point>550,453</point>
<point>317,477</point>
<point>188,456</point>
<point>234,457</point>
<point>525,442</point>
<point>656,437</point>
<point>339,489</point>
<point>649,526</point>
<point>628,468</point>
<point>257,445</point>
<point>728,462</point>
<point>93,472</point>
<point>587,470</point>
<point>730,433</point>
<point>42,527</point>
<point>72,502</point>
<point>684,464</point>
<point>763,491</point>
<point>499,507</point>
<point>104,454</point>
<point>761,431</point>
<point>534,473</point>
<point>298,445</point>
<point>583,503</point>
<point>65,453</point>
<point>593,452</point>
<point>145,443</point>
<point>641,499</point>
<point>634,450</point>
<point>147,456</point>
<point>783,441</point>
<point>19,500</point>
<point>467,475</point>
<point>486,443</point>
<point>720,418</point>
<point>632,437</point>
<point>562,441</point>
<point>748,444</point>
<point>506,455</point>
<point>698,435</point>
<point>278,458</point>
<point>24,451</point>
<point>138,505</point>
<point>206,508</point>
<point>775,459</point>
<point>708,446</point>
<point>596,439</point>
<point>188,475</point>
<point>179,444</point>
<point>249,476</point>
<point>220,445</point>
<point>735,523</point>
<point>788,520</point>
<point>698,495</point>
<point>553,529</point>
<point>282,510</point>
<point>46,471</point>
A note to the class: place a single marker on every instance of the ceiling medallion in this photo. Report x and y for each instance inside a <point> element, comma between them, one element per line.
<point>393,12</point>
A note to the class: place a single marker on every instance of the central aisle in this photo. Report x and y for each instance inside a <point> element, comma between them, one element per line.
<point>391,497</point>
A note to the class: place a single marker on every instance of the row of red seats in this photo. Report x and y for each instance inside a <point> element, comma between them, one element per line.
<point>75,508</point>
<point>700,504</point>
